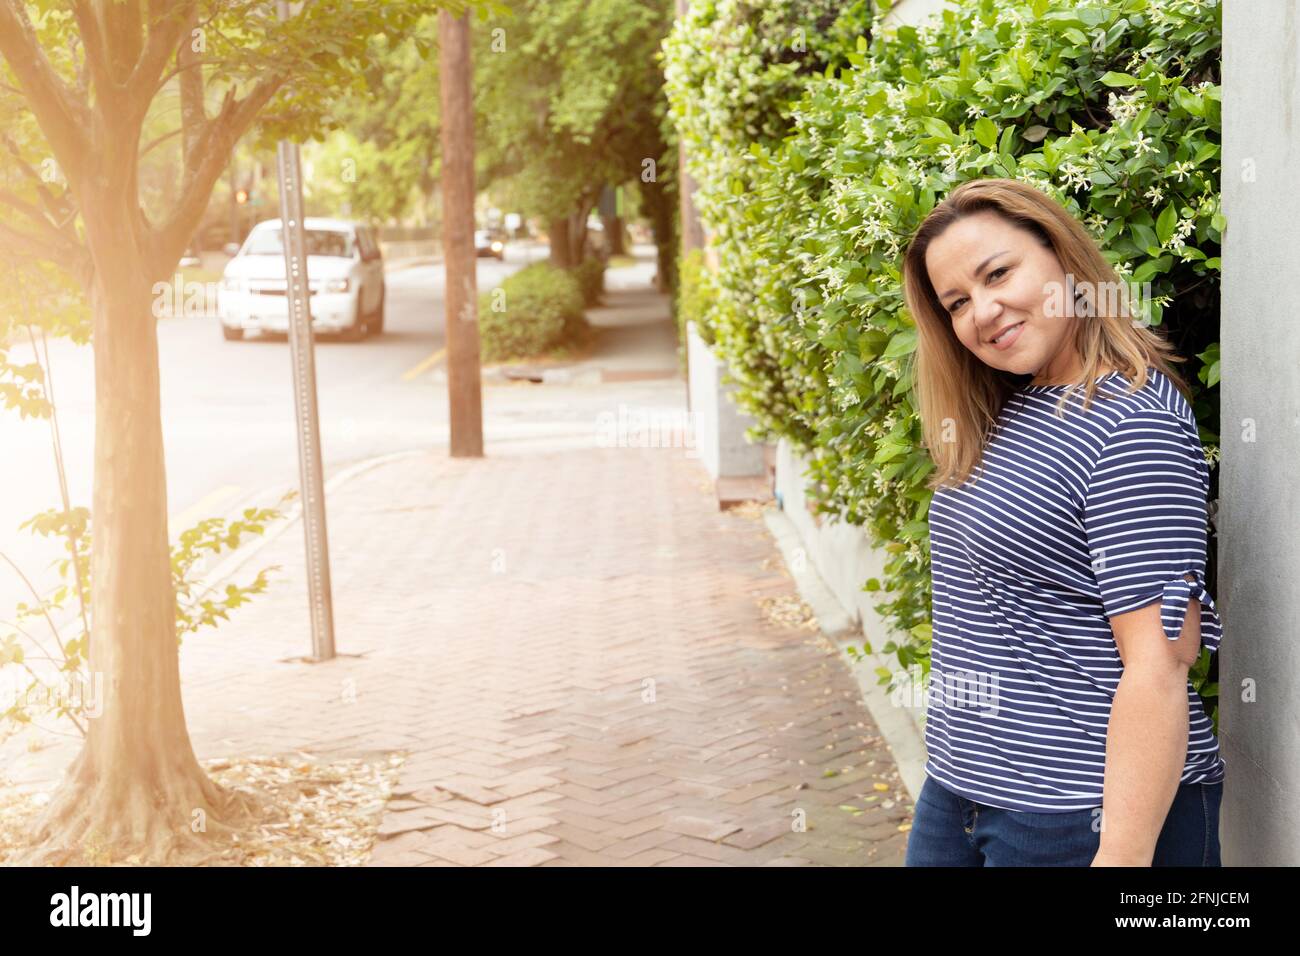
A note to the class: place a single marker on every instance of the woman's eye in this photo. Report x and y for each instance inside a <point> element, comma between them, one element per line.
<point>995,274</point>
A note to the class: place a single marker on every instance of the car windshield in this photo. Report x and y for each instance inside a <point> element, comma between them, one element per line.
<point>320,242</point>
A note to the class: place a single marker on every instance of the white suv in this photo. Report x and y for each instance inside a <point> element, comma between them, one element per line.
<point>345,275</point>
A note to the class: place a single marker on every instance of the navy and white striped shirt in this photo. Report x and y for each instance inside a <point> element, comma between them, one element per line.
<point>1065,522</point>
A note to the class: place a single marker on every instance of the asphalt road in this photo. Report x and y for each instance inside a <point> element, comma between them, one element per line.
<point>228,415</point>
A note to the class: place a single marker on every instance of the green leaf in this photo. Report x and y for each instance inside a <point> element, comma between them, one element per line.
<point>887,452</point>
<point>1008,138</point>
<point>1189,101</point>
<point>1145,235</point>
<point>986,132</point>
<point>1166,224</point>
<point>903,343</point>
<point>1111,78</point>
<point>936,126</point>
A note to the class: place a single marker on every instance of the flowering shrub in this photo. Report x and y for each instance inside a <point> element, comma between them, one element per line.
<point>1111,106</point>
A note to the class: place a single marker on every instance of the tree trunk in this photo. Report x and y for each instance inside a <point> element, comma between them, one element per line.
<point>660,205</point>
<point>464,385</point>
<point>614,234</point>
<point>578,235</point>
<point>136,791</point>
<point>561,243</point>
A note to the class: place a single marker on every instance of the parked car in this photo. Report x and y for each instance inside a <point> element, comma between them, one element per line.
<point>345,276</point>
<point>485,244</point>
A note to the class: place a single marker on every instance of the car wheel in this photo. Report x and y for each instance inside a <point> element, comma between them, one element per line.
<point>231,335</point>
<point>377,317</point>
<point>360,327</point>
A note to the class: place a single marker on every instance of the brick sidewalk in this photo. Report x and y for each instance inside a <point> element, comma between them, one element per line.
<point>570,647</point>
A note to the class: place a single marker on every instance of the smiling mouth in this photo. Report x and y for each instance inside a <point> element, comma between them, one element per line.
<point>1010,330</point>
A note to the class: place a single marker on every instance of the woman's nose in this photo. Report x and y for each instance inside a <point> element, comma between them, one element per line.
<point>987,309</point>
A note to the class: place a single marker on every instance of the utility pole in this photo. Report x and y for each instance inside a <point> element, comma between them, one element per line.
<point>464,389</point>
<point>234,203</point>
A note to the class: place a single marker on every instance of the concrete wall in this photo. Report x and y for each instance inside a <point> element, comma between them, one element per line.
<point>1259,496</point>
<point>912,12</point>
<point>719,426</point>
<point>844,559</point>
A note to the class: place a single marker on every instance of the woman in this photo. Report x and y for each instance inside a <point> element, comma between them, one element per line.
<point>1067,534</point>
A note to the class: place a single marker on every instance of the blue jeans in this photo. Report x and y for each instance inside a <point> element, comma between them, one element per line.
<point>949,830</point>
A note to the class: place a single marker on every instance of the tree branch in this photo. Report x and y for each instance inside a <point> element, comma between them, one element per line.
<point>197,61</point>
<point>92,41</point>
<point>123,36</point>
<point>79,63</point>
<point>193,114</point>
<point>178,71</point>
<point>203,138</point>
<point>210,157</point>
<point>158,141</point>
<point>32,213</point>
<point>63,119</point>
<point>59,209</point>
<point>167,25</point>
<point>23,246</point>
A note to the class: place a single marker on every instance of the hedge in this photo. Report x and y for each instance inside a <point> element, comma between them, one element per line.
<point>590,273</point>
<point>1111,107</point>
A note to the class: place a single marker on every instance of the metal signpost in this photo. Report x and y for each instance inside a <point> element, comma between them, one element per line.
<point>301,351</point>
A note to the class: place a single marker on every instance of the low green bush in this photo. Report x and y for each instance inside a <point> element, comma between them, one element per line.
<point>531,312</point>
<point>590,274</point>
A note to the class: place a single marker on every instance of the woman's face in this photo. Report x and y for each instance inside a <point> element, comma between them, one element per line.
<point>993,277</point>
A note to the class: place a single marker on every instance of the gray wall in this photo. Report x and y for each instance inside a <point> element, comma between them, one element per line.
<point>912,12</point>
<point>717,424</point>
<point>1259,496</point>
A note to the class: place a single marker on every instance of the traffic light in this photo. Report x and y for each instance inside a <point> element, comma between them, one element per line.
<point>241,196</point>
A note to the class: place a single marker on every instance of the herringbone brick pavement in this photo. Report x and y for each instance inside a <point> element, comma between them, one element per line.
<point>569,647</point>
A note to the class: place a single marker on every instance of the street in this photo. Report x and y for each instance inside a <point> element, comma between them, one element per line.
<point>228,415</point>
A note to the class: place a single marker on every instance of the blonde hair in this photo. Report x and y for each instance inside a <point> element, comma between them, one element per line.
<point>954,387</point>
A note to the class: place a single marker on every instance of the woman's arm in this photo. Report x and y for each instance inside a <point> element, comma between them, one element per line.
<point>1146,739</point>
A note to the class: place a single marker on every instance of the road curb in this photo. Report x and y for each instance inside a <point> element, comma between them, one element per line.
<point>401,265</point>
<point>900,731</point>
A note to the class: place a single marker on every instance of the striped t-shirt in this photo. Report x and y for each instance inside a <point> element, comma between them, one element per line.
<point>1065,522</point>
